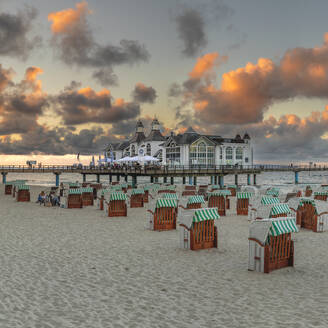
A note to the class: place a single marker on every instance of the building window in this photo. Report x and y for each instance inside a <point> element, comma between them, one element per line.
<point>148,149</point>
<point>173,154</point>
<point>229,154</point>
<point>221,153</point>
<point>133,151</point>
<point>201,154</point>
<point>239,154</point>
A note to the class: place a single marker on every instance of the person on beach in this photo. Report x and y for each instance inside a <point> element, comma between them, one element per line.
<point>41,198</point>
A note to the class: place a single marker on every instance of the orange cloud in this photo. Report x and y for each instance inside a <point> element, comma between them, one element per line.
<point>31,74</point>
<point>90,93</point>
<point>205,64</point>
<point>64,20</point>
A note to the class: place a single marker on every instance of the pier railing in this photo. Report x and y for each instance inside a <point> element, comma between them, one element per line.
<point>161,168</point>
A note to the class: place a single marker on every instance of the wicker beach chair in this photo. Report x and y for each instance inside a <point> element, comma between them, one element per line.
<point>270,244</point>
<point>198,229</point>
<point>164,216</point>
<point>116,205</point>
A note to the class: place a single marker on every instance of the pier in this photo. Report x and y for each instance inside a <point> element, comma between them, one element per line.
<point>215,173</point>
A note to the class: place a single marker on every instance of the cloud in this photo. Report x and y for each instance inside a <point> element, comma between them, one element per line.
<point>56,141</point>
<point>143,94</point>
<point>14,33</point>
<point>21,104</point>
<point>74,43</point>
<point>85,105</point>
<point>191,24</point>
<point>106,77</point>
<point>247,93</point>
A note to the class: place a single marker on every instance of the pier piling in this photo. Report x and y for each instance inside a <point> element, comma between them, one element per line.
<point>296,177</point>
<point>4,177</point>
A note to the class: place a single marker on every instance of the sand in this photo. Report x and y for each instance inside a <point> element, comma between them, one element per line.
<point>78,268</point>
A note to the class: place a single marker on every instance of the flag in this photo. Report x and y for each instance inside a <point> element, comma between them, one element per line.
<point>78,156</point>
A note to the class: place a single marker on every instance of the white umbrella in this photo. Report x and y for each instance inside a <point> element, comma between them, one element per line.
<point>124,159</point>
<point>148,158</point>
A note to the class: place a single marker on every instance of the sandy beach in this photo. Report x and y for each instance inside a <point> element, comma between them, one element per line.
<point>78,268</point>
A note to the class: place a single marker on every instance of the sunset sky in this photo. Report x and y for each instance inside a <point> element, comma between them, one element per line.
<point>76,75</point>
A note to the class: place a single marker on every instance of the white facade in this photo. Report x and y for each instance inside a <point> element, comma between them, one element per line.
<point>185,149</point>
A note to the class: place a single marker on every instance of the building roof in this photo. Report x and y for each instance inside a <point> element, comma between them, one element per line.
<point>138,137</point>
<point>155,135</point>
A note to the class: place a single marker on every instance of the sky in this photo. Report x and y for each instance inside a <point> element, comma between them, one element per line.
<point>76,75</point>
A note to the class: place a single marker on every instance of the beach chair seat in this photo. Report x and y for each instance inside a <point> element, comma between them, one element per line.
<point>74,198</point>
<point>87,196</point>
<point>164,216</point>
<point>197,229</point>
<point>117,204</point>
<point>270,244</point>
<point>137,198</point>
<point>22,193</point>
<point>243,202</point>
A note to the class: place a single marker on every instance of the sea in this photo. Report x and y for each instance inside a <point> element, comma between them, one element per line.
<point>282,180</point>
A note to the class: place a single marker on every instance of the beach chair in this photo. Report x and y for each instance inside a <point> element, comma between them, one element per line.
<point>73,185</point>
<point>280,210</point>
<point>194,202</point>
<point>233,190</point>
<point>218,199</point>
<point>137,198</point>
<point>189,191</point>
<point>274,192</point>
<point>312,215</point>
<point>8,188</point>
<point>308,191</point>
<point>74,198</point>
<point>116,205</point>
<point>197,228</point>
<point>270,244</point>
<point>167,190</point>
<point>321,195</point>
<point>164,216</point>
<point>22,193</point>
<point>242,202</point>
<point>87,196</point>
<point>260,208</point>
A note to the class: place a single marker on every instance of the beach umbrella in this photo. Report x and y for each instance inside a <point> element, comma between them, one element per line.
<point>148,158</point>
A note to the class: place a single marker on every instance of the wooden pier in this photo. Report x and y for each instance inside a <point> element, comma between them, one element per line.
<point>154,172</point>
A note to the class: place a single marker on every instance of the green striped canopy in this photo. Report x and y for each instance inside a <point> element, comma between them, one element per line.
<point>116,187</point>
<point>196,199</point>
<point>320,193</point>
<point>220,193</point>
<point>244,195</point>
<point>9,183</point>
<point>307,201</point>
<point>23,187</point>
<point>117,196</point>
<point>88,189</point>
<point>75,191</point>
<point>161,202</point>
<point>282,225</point>
<point>280,209</point>
<point>170,196</point>
<point>204,214</point>
<point>124,185</point>
<point>73,184</point>
<point>273,192</point>
<point>215,187</point>
<point>171,187</point>
<point>268,200</point>
<point>19,182</point>
<point>137,191</point>
<point>232,186</point>
<point>146,188</point>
